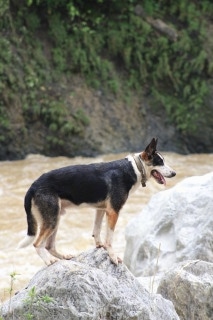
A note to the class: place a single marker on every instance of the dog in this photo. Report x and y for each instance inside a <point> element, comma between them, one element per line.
<point>104,186</point>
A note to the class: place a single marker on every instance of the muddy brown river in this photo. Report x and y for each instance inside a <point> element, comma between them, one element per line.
<point>75,228</point>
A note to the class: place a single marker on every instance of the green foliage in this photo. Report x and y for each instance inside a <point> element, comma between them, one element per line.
<point>26,85</point>
<point>113,49</point>
<point>29,301</point>
<point>12,280</point>
<point>60,123</point>
<point>35,300</point>
<point>5,18</point>
<point>57,29</point>
<point>32,21</point>
<point>13,277</point>
<point>32,300</point>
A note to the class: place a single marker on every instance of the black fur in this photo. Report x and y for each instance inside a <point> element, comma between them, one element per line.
<point>79,184</point>
<point>31,222</point>
<point>157,160</point>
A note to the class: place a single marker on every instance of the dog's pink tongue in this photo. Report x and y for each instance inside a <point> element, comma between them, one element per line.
<point>163,181</point>
<point>158,177</point>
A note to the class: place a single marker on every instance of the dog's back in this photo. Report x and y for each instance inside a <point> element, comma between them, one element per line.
<point>90,184</point>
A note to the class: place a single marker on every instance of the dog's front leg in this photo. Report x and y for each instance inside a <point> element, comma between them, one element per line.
<point>112,217</point>
<point>97,227</point>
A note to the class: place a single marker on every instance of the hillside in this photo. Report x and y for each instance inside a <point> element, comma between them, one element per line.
<point>83,78</point>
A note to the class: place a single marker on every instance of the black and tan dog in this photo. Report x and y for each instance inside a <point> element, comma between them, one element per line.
<point>105,186</point>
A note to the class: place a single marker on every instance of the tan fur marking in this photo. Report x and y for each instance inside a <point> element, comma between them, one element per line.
<point>112,218</point>
<point>44,234</point>
<point>36,213</point>
<point>144,156</point>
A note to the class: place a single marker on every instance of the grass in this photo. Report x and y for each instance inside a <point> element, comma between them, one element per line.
<point>33,299</point>
<point>13,277</point>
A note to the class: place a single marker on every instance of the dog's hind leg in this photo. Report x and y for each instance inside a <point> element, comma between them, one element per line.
<point>50,246</point>
<point>97,227</point>
<point>46,211</point>
<point>40,245</point>
<point>112,217</point>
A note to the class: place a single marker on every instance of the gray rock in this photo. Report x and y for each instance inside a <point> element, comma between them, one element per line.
<point>175,226</point>
<point>87,287</point>
<point>189,286</point>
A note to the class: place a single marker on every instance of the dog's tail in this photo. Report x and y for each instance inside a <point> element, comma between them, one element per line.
<point>31,221</point>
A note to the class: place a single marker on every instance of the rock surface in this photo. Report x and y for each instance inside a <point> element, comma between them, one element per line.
<point>189,285</point>
<point>87,287</point>
<point>175,226</point>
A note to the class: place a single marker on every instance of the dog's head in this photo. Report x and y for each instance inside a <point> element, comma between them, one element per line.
<point>155,165</point>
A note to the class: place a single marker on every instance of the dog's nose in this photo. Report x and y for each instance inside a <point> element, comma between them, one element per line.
<point>173,173</point>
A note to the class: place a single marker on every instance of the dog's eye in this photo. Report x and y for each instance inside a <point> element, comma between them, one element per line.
<point>158,160</point>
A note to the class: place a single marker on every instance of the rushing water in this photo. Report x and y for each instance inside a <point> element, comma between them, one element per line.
<point>75,228</point>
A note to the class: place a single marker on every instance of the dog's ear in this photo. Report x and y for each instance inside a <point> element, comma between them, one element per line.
<point>151,148</point>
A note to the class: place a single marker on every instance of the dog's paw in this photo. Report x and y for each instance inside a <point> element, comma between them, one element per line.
<point>119,260</point>
<point>113,257</point>
<point>68,256</point>
<point>100,245</point>
<point>98,242</point>
<point>116,260</point>
<point>51,261</point>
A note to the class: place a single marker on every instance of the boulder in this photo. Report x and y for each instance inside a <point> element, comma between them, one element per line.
<point>89,286</point>
<point>189,285</point>
<point>176,225</point>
